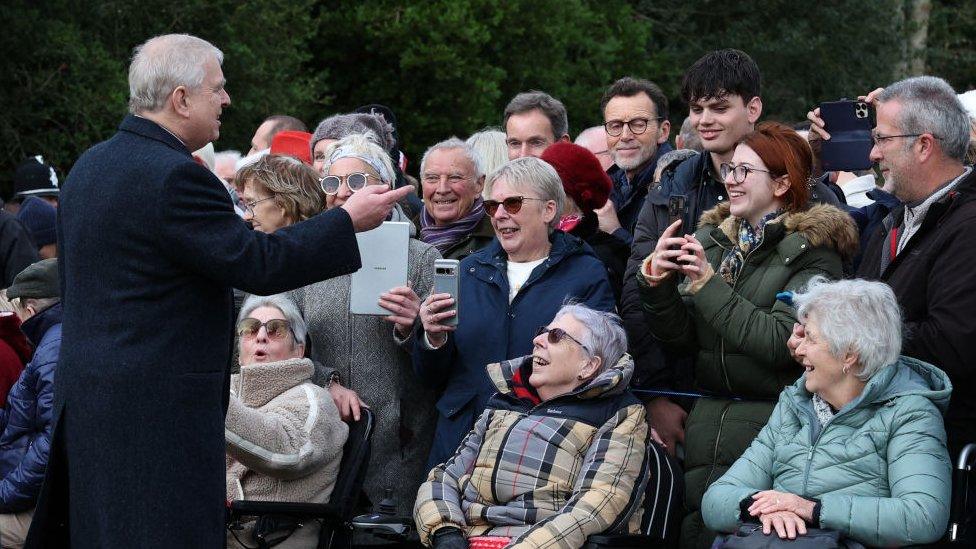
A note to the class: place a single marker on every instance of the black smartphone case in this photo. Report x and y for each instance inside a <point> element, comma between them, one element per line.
<point>849,124</point>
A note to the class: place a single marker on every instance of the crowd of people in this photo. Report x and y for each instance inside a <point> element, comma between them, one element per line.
<point>795,342</point>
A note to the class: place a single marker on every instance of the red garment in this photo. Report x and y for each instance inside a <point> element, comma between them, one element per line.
<point>15,352</point>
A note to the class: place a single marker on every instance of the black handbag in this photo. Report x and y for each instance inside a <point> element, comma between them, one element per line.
<point>750,536</point>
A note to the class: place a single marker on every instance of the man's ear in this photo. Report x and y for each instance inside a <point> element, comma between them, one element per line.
<point>926,144</point>
<point>565,138</point>
<point>664,132</point>
<point>180,101</point>
<point>754,109</point>
<point>480,184</point>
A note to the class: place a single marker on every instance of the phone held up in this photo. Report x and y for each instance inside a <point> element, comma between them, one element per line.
<point>447,280</point>
<point>849,124</point>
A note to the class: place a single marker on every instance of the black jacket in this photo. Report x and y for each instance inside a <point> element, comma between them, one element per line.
<point>17,251</point>
<point>932,279</point>
<point>150,249</point>
<point>629,207</point>
<point>692,179</point>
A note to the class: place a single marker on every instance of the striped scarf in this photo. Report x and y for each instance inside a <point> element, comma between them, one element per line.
<point>443,237</point>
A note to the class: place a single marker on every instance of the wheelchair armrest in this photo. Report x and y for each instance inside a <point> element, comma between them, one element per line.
<point>622,541</point>
<point>384,526</point>
<point>298,510</point>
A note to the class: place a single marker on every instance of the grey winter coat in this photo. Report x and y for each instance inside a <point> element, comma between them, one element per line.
<point>372,361</point>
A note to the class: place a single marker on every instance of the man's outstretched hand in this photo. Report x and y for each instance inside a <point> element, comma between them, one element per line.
<point>371,205</point>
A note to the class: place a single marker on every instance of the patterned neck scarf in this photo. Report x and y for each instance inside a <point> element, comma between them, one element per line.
<point>443,237</point>
<point>823,409</point>
<point>749,239</point>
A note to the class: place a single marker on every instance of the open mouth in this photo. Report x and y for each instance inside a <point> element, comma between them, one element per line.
<point>444,202</point>
<point>539,361</point>
<point>507,231</point>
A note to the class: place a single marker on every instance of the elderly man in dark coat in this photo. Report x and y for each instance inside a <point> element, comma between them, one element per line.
<point>150,250</point>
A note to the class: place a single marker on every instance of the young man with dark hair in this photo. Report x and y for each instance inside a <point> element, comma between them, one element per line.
<point>722,90</point>
<point>635,115</point>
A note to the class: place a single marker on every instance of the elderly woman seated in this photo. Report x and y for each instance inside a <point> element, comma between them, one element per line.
<point>284,435</point>
<point>857,445</point>
<point>559,453</point>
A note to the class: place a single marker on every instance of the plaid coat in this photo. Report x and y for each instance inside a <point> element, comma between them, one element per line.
<point>546,474</point>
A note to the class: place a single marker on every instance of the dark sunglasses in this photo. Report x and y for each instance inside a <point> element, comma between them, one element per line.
<point>356,181</point>
<point>555,335</point>
<point>276,328</point>
<point>512,204</point>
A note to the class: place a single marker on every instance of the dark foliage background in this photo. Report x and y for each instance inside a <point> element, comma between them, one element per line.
<point>448,67</point>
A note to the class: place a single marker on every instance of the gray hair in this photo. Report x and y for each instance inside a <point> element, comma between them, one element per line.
<point>20,304</point>
<point>930,105</point>
<point>455,143</point>
<point>288,310</point>
<point>164,63</point>
<point>553,108</point>
<point>361,147</point>
<point>531,173</point>
<point>338,126</point>
<point>855,315</point>
<point>604,334</point>
<point>689,136</point>
<point>490,148</point>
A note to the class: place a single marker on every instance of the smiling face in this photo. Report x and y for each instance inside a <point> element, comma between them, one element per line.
<point>894,156</point>
<point>523,235</point>
<point>759,193</point>
<point>557,367</point>
<point>723,121</point>
<point>205,105</point>
<point>823,370</point>
<point>263,210</point>
<point>449,184</point>
<point>629,151</point>
<point>260,348</point>
<point>342,168</point>
<point>528,134</point>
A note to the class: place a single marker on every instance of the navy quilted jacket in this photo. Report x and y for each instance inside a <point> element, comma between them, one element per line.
<point>25,441</point>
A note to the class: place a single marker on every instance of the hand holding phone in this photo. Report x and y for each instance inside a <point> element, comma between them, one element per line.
<point>439,312</point>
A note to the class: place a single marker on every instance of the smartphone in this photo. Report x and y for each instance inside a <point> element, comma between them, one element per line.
<point>447,280</point>
<point>849,124</point>
<point>677,207</point>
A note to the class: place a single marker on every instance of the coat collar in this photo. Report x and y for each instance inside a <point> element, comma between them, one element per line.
<point>258,383</point>
<point>511,377</point>
<point>563,245</point>
<point>36,326</point>
<point>147,128</point>
<point>822,225</point>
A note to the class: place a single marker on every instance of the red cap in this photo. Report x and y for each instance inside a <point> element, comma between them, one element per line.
<point>292,143</point>
<point>583,178</point>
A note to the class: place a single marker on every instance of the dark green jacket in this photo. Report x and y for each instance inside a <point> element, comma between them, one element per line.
<point>738,332</point>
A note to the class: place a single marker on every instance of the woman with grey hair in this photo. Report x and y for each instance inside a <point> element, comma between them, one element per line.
<point>489,144</point>
<point>559,453</point>
<point>508,288</point>
<point>366,358</point>
<point>857,445</point>
<point>284,435</point>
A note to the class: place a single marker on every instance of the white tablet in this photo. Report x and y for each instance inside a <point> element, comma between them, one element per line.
<point>384,255</point>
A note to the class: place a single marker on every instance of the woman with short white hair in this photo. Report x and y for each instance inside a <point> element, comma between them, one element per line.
<point>857,445</point>
<point>507,289</point>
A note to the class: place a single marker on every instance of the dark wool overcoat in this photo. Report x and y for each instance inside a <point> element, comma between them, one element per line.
<point>150,249</point>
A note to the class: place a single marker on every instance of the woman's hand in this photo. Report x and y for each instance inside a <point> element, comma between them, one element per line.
<point>786,524</point>
<point>432,313</point>
<point>771,501</point>
<point>693,262</point>
<point>347,401</point>
<point>666,252</point>
<point>404,303</point>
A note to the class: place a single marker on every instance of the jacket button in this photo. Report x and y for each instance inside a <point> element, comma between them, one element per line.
<point>720,197</point>
<point>787,259</point>
<point>472,270</point>
<point>511,315</point>
<point>803,246</point>
<point>490,278</point>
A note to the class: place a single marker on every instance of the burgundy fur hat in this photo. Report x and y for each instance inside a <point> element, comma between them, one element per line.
<point>583,178</point>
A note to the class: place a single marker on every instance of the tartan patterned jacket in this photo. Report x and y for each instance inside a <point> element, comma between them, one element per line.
<point>545,474</point>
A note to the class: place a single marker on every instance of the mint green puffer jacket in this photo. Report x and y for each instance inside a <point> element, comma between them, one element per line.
<point>880,467</point>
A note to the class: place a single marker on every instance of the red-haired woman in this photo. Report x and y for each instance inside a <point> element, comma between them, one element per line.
<point>714,293</point>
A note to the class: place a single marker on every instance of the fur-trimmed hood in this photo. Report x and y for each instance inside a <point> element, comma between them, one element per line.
<point>822,225</point>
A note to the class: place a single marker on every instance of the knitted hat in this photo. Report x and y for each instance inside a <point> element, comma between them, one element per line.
<point>38,217</point>
<point>294,144</point>
<point>583,178</point>
<point>34,177</point>
<point>38,281</point>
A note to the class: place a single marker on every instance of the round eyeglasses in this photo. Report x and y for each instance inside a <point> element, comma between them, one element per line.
<point>739,172</point>
<point>355,181</point>
<point>637,126</point>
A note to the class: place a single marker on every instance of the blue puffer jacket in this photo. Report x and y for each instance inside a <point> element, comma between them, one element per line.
<point>25,422</point>
<point>880,467</point>
<point>492,330</point>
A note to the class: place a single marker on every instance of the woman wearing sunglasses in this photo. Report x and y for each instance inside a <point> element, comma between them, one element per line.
<point>507,289</point>
<point>367,357</point>
<point>558,454</point>
<point>714,293</point>
<point>284,435</point>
